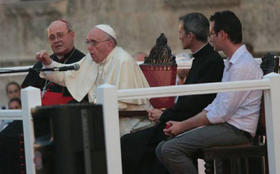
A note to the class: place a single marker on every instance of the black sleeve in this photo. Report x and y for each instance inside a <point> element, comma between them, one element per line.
<point>33,78</point>
<point>188,106</point>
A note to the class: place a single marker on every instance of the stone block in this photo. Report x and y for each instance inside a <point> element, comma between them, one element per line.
<point>200,3</point>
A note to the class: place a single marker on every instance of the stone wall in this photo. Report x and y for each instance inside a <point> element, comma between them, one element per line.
<point>137,23</point>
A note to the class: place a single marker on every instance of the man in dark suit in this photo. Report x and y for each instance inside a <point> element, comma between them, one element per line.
<point>138,149</point>
<point>61,40</point>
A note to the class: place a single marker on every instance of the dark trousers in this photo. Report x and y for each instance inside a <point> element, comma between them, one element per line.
<point>138,152</point>
<point>11,161</point>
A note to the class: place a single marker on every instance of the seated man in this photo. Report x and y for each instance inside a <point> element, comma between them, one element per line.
<point>231,118</point>
<point>138,149</point>
<point>105,63</point>
<point>12,91</point>
<point>61,40</point>
<point>10,143</point>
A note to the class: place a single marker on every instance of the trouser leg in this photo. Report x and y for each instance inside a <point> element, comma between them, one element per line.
<point>177,153</point>
<point>138,152</point>
<point>172,160</point>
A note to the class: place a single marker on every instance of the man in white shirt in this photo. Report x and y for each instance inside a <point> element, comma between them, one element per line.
<point>231,118</point>
<point>105,63</point>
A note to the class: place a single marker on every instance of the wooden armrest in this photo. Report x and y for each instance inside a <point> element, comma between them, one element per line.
<point>133,113</point>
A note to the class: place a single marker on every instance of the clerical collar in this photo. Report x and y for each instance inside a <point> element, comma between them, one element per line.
<point>200,48</point>
<point>63,59</point>
<point>202,51</point>
<point>60,57</point>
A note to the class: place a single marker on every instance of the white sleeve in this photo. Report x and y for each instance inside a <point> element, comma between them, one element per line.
<point>56,77</point>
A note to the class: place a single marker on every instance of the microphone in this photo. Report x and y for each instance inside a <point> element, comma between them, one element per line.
<point>75,67</point>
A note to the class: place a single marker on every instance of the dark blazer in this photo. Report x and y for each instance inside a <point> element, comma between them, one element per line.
<point>207,67</point>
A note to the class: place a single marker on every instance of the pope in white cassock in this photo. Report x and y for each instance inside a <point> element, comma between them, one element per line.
<point>105,63</point>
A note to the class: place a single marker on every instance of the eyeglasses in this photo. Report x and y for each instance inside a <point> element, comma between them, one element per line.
<point>95,43</point>
<point>58,36</point>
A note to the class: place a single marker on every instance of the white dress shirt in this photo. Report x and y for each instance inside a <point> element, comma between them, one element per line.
<point>238,108</point>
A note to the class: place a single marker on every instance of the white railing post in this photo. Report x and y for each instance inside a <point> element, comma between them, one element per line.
<point>30,97</point>
<point>272,113</point>
<point>107,96</point>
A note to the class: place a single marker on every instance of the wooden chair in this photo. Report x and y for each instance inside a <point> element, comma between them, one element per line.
<point>256,150</point>
<point>241,153</point>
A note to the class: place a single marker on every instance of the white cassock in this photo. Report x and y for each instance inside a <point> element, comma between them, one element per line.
<point>118,69</point>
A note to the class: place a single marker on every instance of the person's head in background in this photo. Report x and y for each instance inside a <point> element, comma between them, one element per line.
<point>13,90</point>
<point>61,37</point>
<point>193,31</point>
<point>140,56</point>
<point>14,103</point>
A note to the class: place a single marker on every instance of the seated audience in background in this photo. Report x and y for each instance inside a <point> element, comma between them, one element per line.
<point>61,39</point>
<point>14,103</point>
<point>10,160</point>
<point>231,118</point>
<point>12,91</point>
<point>138,149</point>
<point>105,63</point>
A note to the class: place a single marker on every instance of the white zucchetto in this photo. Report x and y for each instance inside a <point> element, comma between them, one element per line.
<point>107,29</point>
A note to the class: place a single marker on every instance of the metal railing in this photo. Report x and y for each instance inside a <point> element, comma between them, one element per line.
<point>30,98</point>
<point>108,96</point>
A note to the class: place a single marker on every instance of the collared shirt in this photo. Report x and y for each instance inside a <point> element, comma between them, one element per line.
<point>238,108</point>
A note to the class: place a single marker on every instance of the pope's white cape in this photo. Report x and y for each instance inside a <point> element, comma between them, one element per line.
<point>118,69</point>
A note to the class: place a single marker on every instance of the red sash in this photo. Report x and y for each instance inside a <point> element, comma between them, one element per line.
<point>54,98</point>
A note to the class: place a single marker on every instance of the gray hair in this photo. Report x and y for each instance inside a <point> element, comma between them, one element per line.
<point>111,38</point>
<point>196,23</point>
